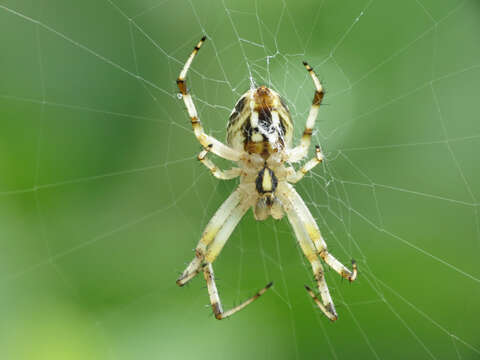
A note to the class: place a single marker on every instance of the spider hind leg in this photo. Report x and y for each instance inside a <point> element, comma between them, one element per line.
<point>216,147</point>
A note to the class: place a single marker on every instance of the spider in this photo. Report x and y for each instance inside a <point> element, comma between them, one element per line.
<point>259,137</point>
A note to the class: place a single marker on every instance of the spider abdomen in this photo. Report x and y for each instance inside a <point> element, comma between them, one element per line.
<point>260,123</point>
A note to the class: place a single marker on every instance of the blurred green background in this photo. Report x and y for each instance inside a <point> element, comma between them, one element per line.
<point>102,199</point>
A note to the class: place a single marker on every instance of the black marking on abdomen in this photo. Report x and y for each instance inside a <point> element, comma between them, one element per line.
<point>259,181</point>
<point>265,119</point>
<point>238,109</point>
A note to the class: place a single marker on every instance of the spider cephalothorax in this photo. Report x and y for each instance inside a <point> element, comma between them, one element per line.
<point>259,137</point>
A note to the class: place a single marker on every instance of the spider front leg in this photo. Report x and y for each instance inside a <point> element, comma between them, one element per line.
<point>213,239</point>
<point>298,175</point>
<point>309,250</point>
<point>300,151</point>
<point>219,174</point>
<point>217,147</point>
<point>215,298</point>
<point>310,226</point>
<point>217,222</point>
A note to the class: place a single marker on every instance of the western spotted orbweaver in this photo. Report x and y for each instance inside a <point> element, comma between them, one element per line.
<point>259,137</point>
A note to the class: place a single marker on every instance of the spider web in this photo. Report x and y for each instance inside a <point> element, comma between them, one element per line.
<point>102,200</point>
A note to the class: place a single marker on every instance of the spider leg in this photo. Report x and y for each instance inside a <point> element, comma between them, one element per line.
<point>308,222</point>
<point>219,174</point>
<point>217,147</point>
<point>214,238</point>
<point>298,175</point>
<point>215,298</point>
<point>309,250</point>
<point>229,225</point>
<point>213,227</point>
<point>217,233</point>
<point>300,151</point>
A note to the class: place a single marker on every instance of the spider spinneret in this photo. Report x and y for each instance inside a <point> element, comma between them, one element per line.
<point>259,139</point>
